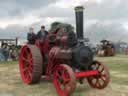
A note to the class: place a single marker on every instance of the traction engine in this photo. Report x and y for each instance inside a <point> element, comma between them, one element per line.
<point>107,49</point>
<point>64,59</point>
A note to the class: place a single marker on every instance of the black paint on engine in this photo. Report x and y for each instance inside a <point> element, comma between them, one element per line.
<point>82,57</point>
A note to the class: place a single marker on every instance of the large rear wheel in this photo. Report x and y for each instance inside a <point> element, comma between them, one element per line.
<point>30,64</point>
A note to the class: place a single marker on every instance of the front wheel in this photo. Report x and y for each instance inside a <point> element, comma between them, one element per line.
<point>101,80</point>
<point>64,80</point>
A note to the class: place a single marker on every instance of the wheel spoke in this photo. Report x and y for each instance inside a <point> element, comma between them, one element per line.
<point>102,69</point>
<point>103,79</point>
<point>30,61</point>
<point>30,68</point>
<point>25,72</point>
<point>58,74</point>
<point>29,56</point>
<point>104,75</point>
<point>97,66</point>
<point>64,75</point>
<point>26,75</point>
<point>26,51</point>
<point>25,69</point>
<point>63,72</point>
<point>100,85</point>
<point>30,74</point>
<point>26,60</point>
<point>66,81</point>
<point>96,82</point>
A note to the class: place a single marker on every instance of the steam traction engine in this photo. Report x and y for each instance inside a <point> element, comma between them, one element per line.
<point>106,49</point>
<point>64,60</point>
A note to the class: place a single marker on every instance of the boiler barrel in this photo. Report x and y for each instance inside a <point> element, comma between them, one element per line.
<point>79,21</point>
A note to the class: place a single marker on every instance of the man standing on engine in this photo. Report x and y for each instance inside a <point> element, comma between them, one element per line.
<point>31,36</point>
<point>41,35</point>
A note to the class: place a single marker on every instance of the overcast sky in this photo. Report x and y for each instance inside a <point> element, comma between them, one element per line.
<point>17,15</point>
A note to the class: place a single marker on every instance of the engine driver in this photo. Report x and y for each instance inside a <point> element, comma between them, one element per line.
<point>41,35</point>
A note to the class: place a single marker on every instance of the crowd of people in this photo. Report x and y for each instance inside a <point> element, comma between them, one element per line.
<point>32,36</point>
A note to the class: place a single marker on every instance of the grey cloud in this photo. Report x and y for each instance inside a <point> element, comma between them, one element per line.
<point>53,11</point>
<point>13,31</point>
<point>108,10</point>
<point>115,12</point>
<point>114,32</point>
<point>9,8</point>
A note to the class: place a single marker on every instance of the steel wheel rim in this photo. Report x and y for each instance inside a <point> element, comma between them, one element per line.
<point>101,80</point>
<point>26,64</point>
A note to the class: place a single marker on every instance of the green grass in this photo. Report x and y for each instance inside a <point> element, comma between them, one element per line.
<point>118,67</point>
<point>8,62</point>
<point>11,83</point>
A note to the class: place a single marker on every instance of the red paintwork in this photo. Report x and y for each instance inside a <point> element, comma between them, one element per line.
<point>44,47</point>
<point>25,65</point>
<point>54,66</point>
<point>85,74</point>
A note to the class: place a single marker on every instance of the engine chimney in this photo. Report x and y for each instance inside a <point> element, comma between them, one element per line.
<point>79,22</point>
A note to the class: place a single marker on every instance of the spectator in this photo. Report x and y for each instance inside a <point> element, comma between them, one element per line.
<point>31,36</point>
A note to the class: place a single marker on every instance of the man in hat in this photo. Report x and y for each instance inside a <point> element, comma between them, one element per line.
<point>41,35</point>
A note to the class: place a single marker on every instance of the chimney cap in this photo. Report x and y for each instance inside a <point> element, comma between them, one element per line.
<point>79,8</point>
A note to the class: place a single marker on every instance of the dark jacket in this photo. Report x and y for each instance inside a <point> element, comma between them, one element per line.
<point>42,35</point>
<point>31,37</point>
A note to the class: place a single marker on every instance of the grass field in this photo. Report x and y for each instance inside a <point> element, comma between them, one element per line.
<point>11,84</point>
